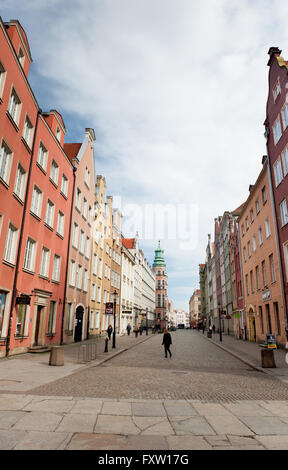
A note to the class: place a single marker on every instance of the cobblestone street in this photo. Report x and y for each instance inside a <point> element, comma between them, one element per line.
<point>198,369</point>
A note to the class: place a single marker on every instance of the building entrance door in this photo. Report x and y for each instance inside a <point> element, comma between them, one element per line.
<point>37,341</point>
<point>78,324</point>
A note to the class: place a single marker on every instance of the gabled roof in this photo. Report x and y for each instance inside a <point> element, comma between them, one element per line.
<point>128,242</point>
<point>72,150</point>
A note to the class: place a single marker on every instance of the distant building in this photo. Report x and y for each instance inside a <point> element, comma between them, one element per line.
<point>195,308</point>
<point>159,268</point>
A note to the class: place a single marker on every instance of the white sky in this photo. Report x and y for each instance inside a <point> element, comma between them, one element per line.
<point>176,93</point>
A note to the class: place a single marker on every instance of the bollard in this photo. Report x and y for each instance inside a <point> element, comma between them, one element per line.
<point>56,356</point>
<point>106,345</point>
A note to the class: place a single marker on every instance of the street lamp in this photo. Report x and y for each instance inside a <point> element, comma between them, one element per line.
<point>114,313</point>
<point>220,331</point>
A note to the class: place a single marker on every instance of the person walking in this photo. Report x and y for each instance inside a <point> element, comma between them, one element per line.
<point>141,330</point>
<point>167,341</point>
<point>136,329</point>
<point>109,331</point>
<point>128,328</point>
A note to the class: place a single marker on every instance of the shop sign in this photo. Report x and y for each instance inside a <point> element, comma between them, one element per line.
<point>109,308</point>
<point>23,300</point>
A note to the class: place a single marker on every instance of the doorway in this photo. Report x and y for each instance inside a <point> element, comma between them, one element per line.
<point>37,338</point>
<point>78,324</point>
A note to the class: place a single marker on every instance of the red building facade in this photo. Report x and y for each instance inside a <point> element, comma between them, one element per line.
<point>276,133</point>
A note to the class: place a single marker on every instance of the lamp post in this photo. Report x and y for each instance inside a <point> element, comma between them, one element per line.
<point>114,313</point>
<point>220,331</point>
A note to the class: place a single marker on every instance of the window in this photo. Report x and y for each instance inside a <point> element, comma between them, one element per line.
<point>52,318</point>
<point>36,204</point>
<point>60,224</point>
<point>254,243</point>
<point>20,182</point>
<point>276,90</point>
<point>11,242</point>
<point>244,254</point>
<point>49,217</point>
<point>3,298</point>
<point>278,174</point>
<point>44,265</point>
<point>82,242</point>
<point>78,199</point>
<point>257,278</point>
<point>72,273</point>
<point>28,131</point>
<point>87,177</point>
<point>68,326</point>
<point>264,274</point>
<point>267,308</point>
<point>2,78</point>
<point>75,235</point>
<point>285,249</point>
<point>264,195</point>
<point>249,249</point>
<point>64,185</point>
<point>252,281</point>
<point>277,132</point>
<point>87,248</point>
<point>285,116</point>
<point>285,161</point>
<point>100,266</point>
<point>267,228</point>
<point>58,134</point>
<point>14,107</point>
<point>99,294</point>
<point>79,277</point>
<point>56,268</point>
<point>283,213</point>
<point>30,252</point>
<point>247,223</point>
<point>93,293</point>
<point>21,320</point>
<point>257,204</point>
<point>85,286</point>
<point>90,215</point>
<point>277,317</point>
<point>251,216</point>
<point>42,156</point>
<point>272,269</point>
<point>5,162</point>
<point>54,172</point>
<point>260,236</point>
<point>95,264</point>
<point>84,213</point>
<point>21,56</point>
<point>261,319</point>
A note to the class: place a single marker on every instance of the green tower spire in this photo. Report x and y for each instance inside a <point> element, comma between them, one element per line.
<point>159,257</point>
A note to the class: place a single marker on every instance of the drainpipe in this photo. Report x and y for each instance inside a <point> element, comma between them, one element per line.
<point>67,259</point>
<point>14,289</point>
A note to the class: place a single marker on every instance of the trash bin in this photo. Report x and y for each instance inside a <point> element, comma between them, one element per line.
<point>56,356</point>
<point>267,358</point>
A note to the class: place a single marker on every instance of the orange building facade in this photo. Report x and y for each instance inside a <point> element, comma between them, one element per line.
<point>260,265</point>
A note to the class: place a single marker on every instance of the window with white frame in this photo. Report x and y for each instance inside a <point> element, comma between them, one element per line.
<point>22,314</point>
<point>28,131</point>
<point>45,261</point>
<point>5,162</point>
<point>285,116</point>
<point>51,326</point>
<point>56,268</point>
<point>36,204</point>
<point>64,185</point>
<point>84,212</point>
<point>99,294</point>
<point>87,177</point>
<point>78,199</point>
<point>264,195</point>
<point>21,57</point>
<point>30,255</point>
<point>272,268</point>
<point>68,324</point>
<point>260,236</point>
<point>249,249</point>
<point>95,258</point>
<point>257,277</point>
<point>58,134</point>
<point>277,132</point>
<point>20,182</point>
<point>251,216</point>
<point>11,244</point>
<point>92,320</point>
<point>90,215</point>
<point>42,156</point>
<point>267,227</point>
<point>82,242</point>
<point>276,90</point>
<point>254,243</point>
<point>257,204</point>
<point>2,78</point>
<point>283,213</point>
<point>245,253</point>
<point>85,283</point>
<point>93,292</point>
<point>285,249</point>
<point>278,174</point>
<point>264,274</point>
<point>60,224</point>
<point>14,107</point>
<point>54,173</point>
<point>100,266</point>
<point>79,277</point>
<point>285,161</point>
<point>3,303</point>
<point>87,248</point>
<point>75,235</point>
<point>49,217</point>
<point>97,320</point>
<point>72,273</point>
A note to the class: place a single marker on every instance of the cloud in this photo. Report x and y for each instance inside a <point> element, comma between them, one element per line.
<point>176,93</point>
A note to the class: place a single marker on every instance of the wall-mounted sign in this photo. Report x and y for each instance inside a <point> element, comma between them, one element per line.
<point>266,295</point>
<point>109,308</point>
<point>23,300</point>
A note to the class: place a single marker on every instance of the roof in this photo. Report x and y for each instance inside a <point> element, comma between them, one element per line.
<point>72,150</point>
<point>238,210</point>
<point>128,242</point>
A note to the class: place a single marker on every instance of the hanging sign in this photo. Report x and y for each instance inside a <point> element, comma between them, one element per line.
<point>109,308</point>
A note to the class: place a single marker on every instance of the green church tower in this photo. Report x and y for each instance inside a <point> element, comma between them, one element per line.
<point>159,268</point>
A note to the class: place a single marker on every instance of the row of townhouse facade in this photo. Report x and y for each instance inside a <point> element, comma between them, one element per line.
<point>250,249</point>
<point>60,236</point>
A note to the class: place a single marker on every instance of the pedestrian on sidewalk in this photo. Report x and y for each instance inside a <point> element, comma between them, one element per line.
<point>109,331</point>
<point>128,328</point>
<point>141,330</point>
<point>167,341</point>
<point>136,330</point>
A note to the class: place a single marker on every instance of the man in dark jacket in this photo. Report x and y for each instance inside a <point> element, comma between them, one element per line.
<point>167,341</point>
